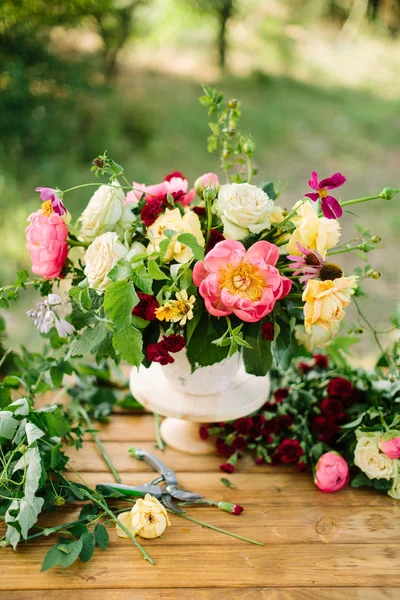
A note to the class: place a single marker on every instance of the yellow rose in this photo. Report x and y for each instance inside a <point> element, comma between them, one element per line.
<point>276,215</point>
<point>313,232</point>
<point>371,461</point>
<point>148,518</point>
<point>325,301</point>
<point>317,337</point>
<point>173,220</point>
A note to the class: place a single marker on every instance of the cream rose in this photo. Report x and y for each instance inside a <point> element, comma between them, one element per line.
<point>313,232</point>
<point>318,337</point>
<point>173,221</point>
<point>101,256</point>
<point>325,301</point>
<point>370,460</point>
<point>244,209</point>
<point>148,518</point>
<point>105,212</point>
<point>394,492</point>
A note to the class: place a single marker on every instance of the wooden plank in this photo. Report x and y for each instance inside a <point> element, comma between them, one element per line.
<point>273,524</point>
<point>189,566</point>
<point>208,594</point>
<point>127,428</point>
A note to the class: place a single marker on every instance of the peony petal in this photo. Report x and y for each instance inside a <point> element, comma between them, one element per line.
<point>335,181</point>
<point>313,182</point>
<point>265,251</point>
<point>331,208</point>
<point>216,311</point>
<point>313,196</point>
<point>199,273</point>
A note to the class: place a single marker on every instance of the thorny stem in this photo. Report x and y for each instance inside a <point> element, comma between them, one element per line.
<point>103,451</point>
<point>345,250</point>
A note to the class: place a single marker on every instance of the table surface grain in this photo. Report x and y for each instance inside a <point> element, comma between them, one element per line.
<point>317,546</point>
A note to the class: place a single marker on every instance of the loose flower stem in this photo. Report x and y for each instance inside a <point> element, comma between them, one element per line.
<point>249,169</point>
<point>203,524</point>
<point>345,250</point>
<point>157,422</point>
<point>366,198</point>
<point>103,451</point>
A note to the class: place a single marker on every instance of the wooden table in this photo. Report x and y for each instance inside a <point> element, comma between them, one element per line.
<point>318,546</point>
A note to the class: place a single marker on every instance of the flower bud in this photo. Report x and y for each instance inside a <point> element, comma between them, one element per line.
<point>375,239</point>
<point>232,103</point>
<point>234,509</point>
<point>98,162</point>
<point>359,330</point>
<point>207,180</point>
<point>59,501</point>
<point>388,193</point>
<point>248,148</point>
<point>225,154</point>
<point>376,275</point>
<point>209,194</point>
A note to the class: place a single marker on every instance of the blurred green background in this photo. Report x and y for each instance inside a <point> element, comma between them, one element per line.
<point>318,80</point>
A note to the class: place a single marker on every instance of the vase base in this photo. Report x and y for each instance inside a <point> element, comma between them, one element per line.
<point>184,436</point>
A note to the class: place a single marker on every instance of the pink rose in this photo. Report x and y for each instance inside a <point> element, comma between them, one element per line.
<point>331,472</point>
<point>247,284</point>
<point>175,184</point>
<point>208,179</point>
<point>391,447</point>
<point>46,240</point>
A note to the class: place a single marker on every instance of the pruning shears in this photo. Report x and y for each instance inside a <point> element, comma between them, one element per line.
<point>171,491</point>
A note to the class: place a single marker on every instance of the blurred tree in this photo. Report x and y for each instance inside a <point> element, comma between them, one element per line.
<point>223,10</point>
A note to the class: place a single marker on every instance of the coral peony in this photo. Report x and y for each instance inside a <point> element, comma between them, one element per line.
<point>331,472</point>
<point>246,284</point>
<point>46,240</point>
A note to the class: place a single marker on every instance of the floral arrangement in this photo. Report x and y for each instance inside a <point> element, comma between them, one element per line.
<point>153,269</point>
<point>337,422</point>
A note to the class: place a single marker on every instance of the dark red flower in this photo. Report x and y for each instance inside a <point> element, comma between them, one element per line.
<point>301,465</point>
<point>267,331</point>
<point>158,353</point>
<point>289,451</point>
<point>227,467</point>
<point>223,448</point>
<point>285,420</point>
<point>356,397</point>
<point>203,432</point>
<point>268,439</point>
<point>325,429</point>
<point>333,409</point>
<point>146,309</point>
<point>200,211</point>
<point>271,426</point>
<point>260,460</point>
<point>151,211</point>
<point>340,388</point>
<point>280,394</point>
<point>258,424</point>
<point>321,361</point>
<point>239,443</point>
<point>215,237</point>
<point>304,368</point>
<point>237,509</point>
<point>173,343</point>
<point>173,174</point>
<point>244,425</point>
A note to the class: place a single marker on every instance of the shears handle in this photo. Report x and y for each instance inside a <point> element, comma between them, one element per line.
<point>137,491</point>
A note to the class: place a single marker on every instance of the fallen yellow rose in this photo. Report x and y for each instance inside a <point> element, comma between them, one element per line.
<point>148,518</point>
<point>325,301</point>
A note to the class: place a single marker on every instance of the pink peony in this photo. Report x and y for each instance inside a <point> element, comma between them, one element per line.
<point>46,240</point>
<point>331,472</point>
<point>391,448</point>
<point>208,179</point>
<point>247,284</point>
<point>174,184</point>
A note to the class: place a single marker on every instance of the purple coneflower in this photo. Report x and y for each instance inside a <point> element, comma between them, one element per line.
<point>311,265</point>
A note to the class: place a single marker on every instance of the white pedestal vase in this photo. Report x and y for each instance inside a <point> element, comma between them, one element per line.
<point>220,392</point>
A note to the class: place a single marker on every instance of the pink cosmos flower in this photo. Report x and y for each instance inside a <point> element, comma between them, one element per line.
<point>331,472</point>
<point>246,284</point>
<point>46,240</point>
<point>56,202</point>
<point>308,265</point>
<point>174,183</point>
<point>391,448</point>
<point>329,205</point>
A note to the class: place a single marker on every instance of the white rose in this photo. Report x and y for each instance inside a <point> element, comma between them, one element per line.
<point>244,209</point>
<point>104,212</point>
<point>101,256</point>
<point>148,518</point>
<point>317,338</point>
<point>394,492</point>
<point>371,461</point>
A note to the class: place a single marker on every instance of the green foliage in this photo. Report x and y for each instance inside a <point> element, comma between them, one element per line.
<point>201,351</point>
<point>258,358</point>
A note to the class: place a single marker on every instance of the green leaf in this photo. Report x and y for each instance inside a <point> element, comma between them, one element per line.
<point>189,240</point>
<point>283,337</point>
<point>201,351</point>
<point>88,545</point>
<point>57,424</point>
<point>88,340</point>
<point>142,279</point>
<point>119,299</point>
<point>11,381</point>
<point>228,483</point>
<point>52,559</point>
<point>8,425</point>
<point>122,270</point>
<point>56,374</point>
<point>63,555</point>
<point>33,433</point>
<point>268,188</point>
<point>361,480</point>
<point>101,536</point>
<point>258,358</point>
<point>155,271</point>
<point>31,463</point>
<point>128,342</point>
<point>192,324</point>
